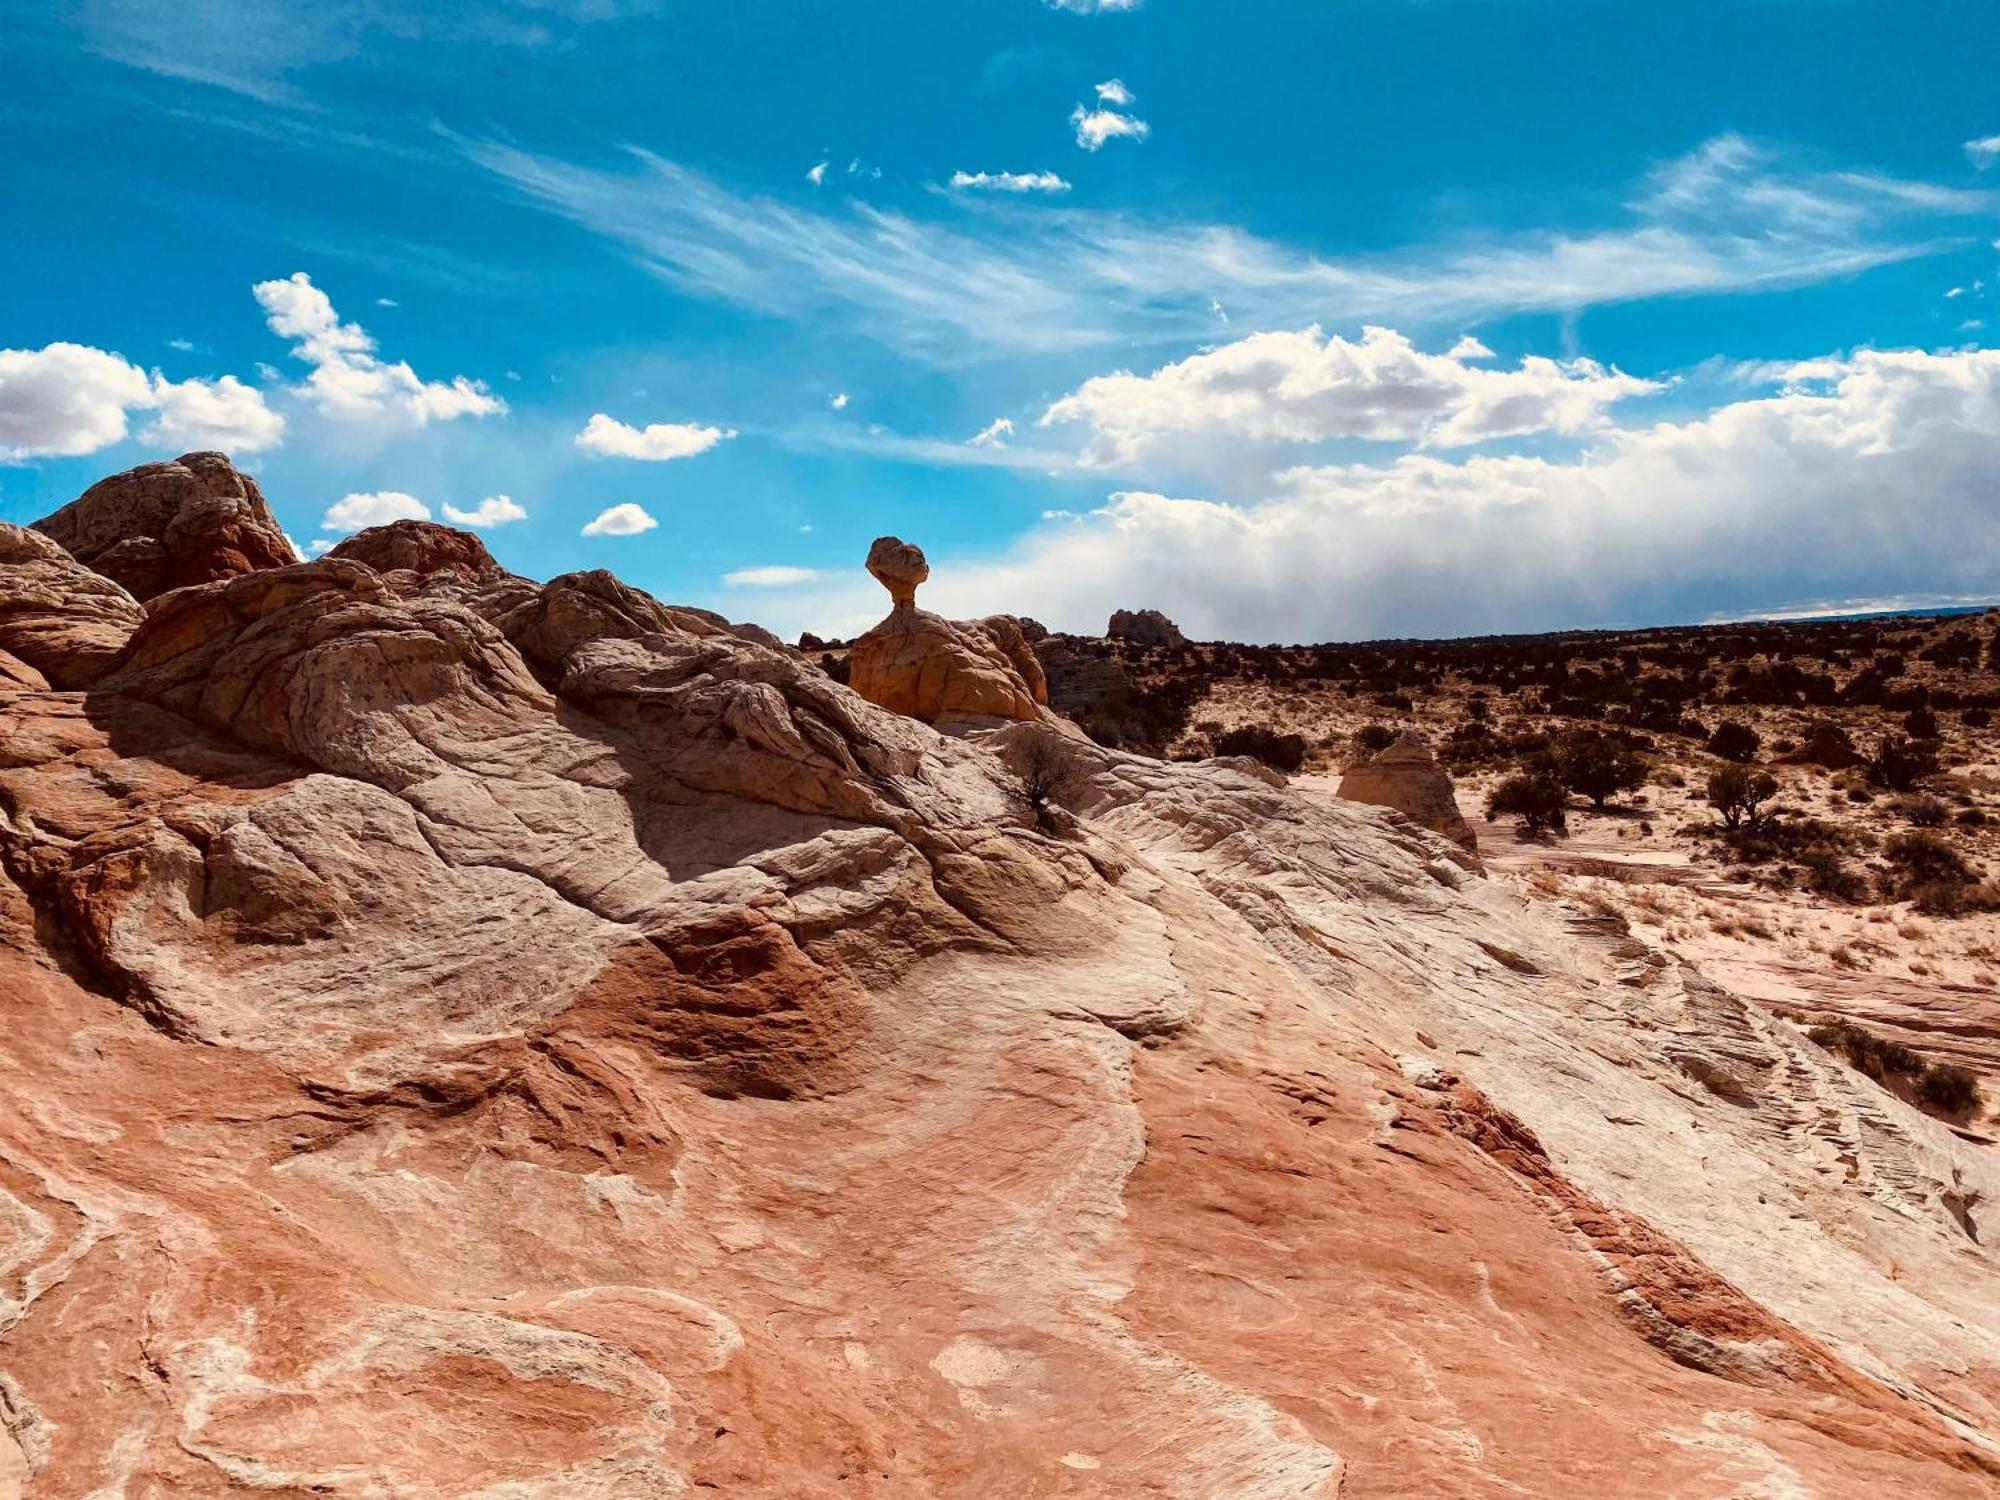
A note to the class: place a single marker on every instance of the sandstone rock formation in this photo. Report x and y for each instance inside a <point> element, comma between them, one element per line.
<point>504,1041</point>
<point>1145,627</point>
<point>167,525</point>
<point>1406,776</point>
<point>421,549</point>
<point>1827,746</point>
<point>58,617</point>
<point>935,669</point>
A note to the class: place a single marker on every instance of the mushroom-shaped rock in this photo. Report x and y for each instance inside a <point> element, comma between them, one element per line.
<point>1144,627</point>
<point>168,525</point>
<point>899,567</point>
<point>931,668</point>
<point>1407,777</point>
<point>56,616</point>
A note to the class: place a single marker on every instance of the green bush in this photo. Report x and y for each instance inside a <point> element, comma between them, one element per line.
<point>1734,740</point>
<point>1537,798</point>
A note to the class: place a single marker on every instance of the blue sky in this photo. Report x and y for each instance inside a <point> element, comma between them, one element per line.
<point>1676,311</point>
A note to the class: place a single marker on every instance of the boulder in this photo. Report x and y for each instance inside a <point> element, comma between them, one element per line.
<point>165,526</point>
<point>923,665</point>
<point>58,617</point>
<point>1406,776</point>
<point>421,549</point>
<point>1826,745</point>
<point>1144,627</point>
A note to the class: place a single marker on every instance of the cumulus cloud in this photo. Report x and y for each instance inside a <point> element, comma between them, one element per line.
<point>494,510</point>
<point>657,442</point>
<point>1985,151</point>
<point>1869,475</point>
<point>1009,182</point>
<point>377,508</point>
<point>775,577</point>
<point>621,520</point>
<point>224,413</point>
<point>66,399</point>
<point>838,401</point>
<point>1305,387</point>
<point>348,379</point>
<point>1096,126</point>
<point>1113,91</point>
<point>816,173</point>
<point>994,433</point>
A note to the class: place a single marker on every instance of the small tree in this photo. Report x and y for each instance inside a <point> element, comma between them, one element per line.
<point>1596,766</point>
<point>1537,798</point>
<point>1051,771</point>
<point>1734,740</point>
<point>1899,763</point>
<point>1739,794</point>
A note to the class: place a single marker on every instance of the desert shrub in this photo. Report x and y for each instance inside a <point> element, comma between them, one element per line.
<point>834,667</point>
<point>1924,811</point>
<point>1830,875</point>
<point>1596,766</point>
<point>1899,762</point>
<point>1734,740</point>
<point>1374,737</point>
<point>1976,718</point>
<point>1920,724</point>
<point>1971,817</point>
<point>1399,702</point>
<point>1949,1089</point>
<point>1281,752</point>
<point>1052,771</point>
<point>1740,795</point>
<point>1925,859</point>
<point>1537,798</point>
<point>1941,1087</point>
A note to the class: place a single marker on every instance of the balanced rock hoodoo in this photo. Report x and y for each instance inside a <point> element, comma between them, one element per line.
<point>931,668</point>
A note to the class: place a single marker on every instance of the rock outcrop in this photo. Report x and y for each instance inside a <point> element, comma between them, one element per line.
<point>934,669</point>
<point>167,525</point>
<point>1144,627</point>
<point>58,617</point>
<point>518,1041</point>
<point>421,550</point>
<point>1406,776</point>
<point>1826,745</point>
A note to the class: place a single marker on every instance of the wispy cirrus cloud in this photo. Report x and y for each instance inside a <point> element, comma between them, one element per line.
<point>958,287</point>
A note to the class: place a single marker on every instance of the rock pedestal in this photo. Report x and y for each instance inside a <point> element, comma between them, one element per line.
<point>923,665</point>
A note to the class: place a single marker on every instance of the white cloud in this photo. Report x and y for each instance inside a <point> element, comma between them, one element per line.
<point>321,545</point>
<point>1113,91</point>
<point>1469,347</point>
<point>182,346</point>
<point>994,434</point>
<point>1094,7</point>
<point>816,174</point>
<point>657,442</point>
<point>65,399</point>
<point>1009,182</point>
<point>1015,279</point>
<point>1096,126</point>
<point>347,379</point>
<point>838,401</point>
<point>224,414</point>
<point>387,302</point>
<point>621,520</point>
<point>494,510</point>
<point>355,511</point>
<point>1985,151</point>
<point>1301,387</point>
<point>1957,291</point>
<point>777,577</point>
<point>1874,474</point>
